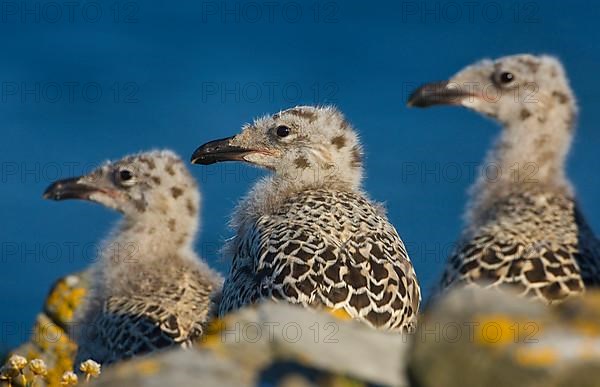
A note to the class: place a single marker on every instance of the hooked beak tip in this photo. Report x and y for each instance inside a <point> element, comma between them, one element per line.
<point>201,158</point>
<point>436,93</point>
<point>68,189</point>
<point>195,159</point>
<point>218,151</point>
<point>53,192</point>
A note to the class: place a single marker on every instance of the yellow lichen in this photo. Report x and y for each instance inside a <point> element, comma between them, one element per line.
<point>496,330</point>
<point>499,331</point>
<point>536,357</point>
<point>586,328</point>
<point>339,314</point>
<point>212,336</point>
<point>63,300</point>
<point>49,341</point>
<point>55,347</point>
<point>147,367</point>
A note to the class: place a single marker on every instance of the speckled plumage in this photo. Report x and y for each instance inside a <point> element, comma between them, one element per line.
<point>535,242</point>
<point>149,290</point>
<point>326,248</point>
<point>307,234</point>
<point>167,305</point>
<point>524,228</point>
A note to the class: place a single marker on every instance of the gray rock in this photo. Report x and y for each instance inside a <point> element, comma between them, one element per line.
<point>277,344</point>
<point>175,368</point>
<point>474,337</point>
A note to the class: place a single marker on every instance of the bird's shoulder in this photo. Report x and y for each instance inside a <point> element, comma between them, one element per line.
<point>531,243</point>
<point>172,278</point>
<point>528,217</point>
<point>132,326</point>
<point>334,215</point>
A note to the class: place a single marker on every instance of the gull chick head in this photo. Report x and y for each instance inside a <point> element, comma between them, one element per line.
<point>146,184</point>
<point>311,145</point>
<point>513,89</point>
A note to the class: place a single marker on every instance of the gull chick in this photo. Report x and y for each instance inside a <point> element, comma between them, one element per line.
<point>524,228</point>
<point>307,234</point>
<point>149,289</point>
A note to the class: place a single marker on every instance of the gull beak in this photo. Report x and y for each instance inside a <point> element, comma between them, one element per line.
<point>218,151</point>
<point>72,188</point>
<point>437,93</point>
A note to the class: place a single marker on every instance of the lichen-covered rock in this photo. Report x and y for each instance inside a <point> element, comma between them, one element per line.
<point>50,340</point>
<point>276,333</point>
<point>175,368</point>
<point>474,337</point>
<point>470,337</point>
<point>275,344</point>
<point>65,297</point>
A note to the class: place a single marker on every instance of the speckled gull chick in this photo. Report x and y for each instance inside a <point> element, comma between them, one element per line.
<point>524,228</point>
<point>149,289</point>
<point>307,234</point>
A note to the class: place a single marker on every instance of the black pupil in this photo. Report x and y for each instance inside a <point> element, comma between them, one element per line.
<point>283,131</point>
<point>506,77</point>
<point>126,175</point>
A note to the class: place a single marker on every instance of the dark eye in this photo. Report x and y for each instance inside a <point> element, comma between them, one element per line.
<point>125,175</point>
<point>283,131</point>
<point>506,78</point>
